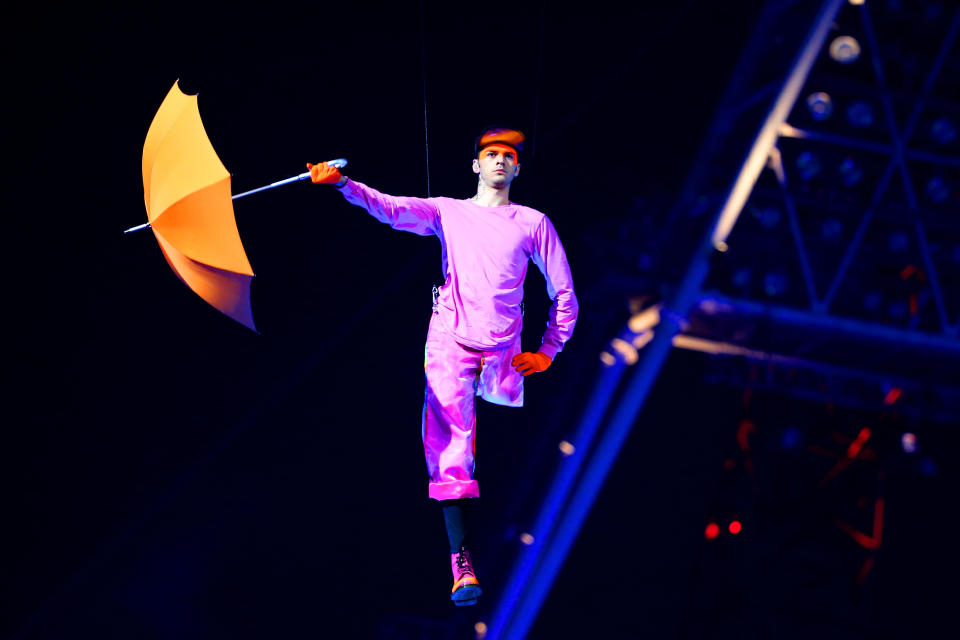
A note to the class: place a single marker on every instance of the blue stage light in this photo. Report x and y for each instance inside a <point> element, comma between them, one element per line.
<point>775,283</point>
<point>872,301</point>
<point>790,438</point>
<point>860,115</point>
<point>897,310</point>
<point>831,230</point>
<point>850,173</point>
<point>808,165</point>
<point>742,277</point>
<point>820,105</point>
<point>943,131</point>
<point>898,242</point>
<point>768,217</point>
<point>938,190</point>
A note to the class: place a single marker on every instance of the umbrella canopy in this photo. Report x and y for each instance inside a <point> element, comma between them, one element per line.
<point>186,189</point>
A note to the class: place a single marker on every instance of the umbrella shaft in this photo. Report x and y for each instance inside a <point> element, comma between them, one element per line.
<point>338,163</point>
<point>302,176</point>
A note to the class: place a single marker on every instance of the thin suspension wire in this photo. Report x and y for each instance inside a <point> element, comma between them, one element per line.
<point>536,100</point>
<point>423,75</point>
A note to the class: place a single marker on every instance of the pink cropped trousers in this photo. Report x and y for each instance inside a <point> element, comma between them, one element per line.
<point>455,375</point>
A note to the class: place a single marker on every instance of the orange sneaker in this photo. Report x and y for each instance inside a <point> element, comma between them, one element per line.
<point>466,588</point>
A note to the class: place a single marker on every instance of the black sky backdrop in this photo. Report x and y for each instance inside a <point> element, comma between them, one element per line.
<point>173,474</point>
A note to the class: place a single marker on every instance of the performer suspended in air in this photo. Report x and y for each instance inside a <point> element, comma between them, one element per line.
<point>473,340</point>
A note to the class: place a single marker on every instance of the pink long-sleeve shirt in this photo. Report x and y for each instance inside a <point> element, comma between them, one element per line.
<point>485,252</point>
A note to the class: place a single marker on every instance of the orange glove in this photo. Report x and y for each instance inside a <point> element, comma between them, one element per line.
<point>324,173</point>
<point>527,363</point>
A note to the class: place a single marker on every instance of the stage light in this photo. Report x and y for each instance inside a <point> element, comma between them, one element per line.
<point>808,165</point>
<point>831,230</point>
<point>480,629</point>
<point>820,105</point>
<point>790,438</point>
<point>898,241</point>
<point>735,527</point>
<point>850,173</point>
<point>845,49</point>
<point>712,531</point>
<point>526,539</point>
<point>626,350</point>
<point>768,217</point>
<point>893,394</point>
<point>607,359</point>
<point>566,448</point>
<point>860,115</point>
<point>645,320</point>
<point>742,277</point>
<point>857,2</point>
<point>775,283</point>
<point>642,340</point>
<point>897,310</point>
<point>910,271</point>
<point>943,131</point>
<point>857,445</point>
<point>937,190</point>
<point>909,442</point>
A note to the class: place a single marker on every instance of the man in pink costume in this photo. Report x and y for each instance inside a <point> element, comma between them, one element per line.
<point>473,342</point>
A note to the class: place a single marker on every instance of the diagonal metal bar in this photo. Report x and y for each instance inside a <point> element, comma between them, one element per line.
<point>858,235</point>
<point>946,45</point>
<point>776,160</point>
<point>560,489</point>
<point>900,142</point>
<point>767,136</point>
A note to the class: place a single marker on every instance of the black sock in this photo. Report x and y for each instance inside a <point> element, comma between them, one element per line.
<point>456,517</point>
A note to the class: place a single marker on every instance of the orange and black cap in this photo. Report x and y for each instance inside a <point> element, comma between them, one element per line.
<point>513,138</point>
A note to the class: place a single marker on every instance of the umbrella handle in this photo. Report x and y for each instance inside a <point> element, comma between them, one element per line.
<point>339,163</point>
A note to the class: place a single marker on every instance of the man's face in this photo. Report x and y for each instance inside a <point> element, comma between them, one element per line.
<point>497,165</point>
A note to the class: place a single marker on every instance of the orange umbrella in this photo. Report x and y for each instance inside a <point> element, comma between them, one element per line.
<point>186,189</point>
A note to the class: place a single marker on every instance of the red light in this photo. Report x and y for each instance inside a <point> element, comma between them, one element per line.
<point>735,527</point>
<point>854,449</point>
<point>712,531</point>
<point>892,396</point>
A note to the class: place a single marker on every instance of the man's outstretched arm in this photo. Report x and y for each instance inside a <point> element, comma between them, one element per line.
<point>416,215</point>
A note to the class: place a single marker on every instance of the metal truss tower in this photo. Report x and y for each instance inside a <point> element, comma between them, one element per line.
<point>818,230</point>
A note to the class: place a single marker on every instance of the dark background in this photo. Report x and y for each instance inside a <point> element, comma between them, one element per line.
<point>173,474</point>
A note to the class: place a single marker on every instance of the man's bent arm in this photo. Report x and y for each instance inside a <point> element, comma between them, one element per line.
<point>551,259</point>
